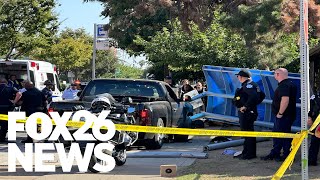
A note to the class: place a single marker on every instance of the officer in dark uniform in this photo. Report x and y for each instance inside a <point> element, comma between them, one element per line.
<point>315,141</point>
<point>9,96</point>
<point>284,109</point>
<point>33,100</point>
<point>246,100</point>
<point>47,91</point>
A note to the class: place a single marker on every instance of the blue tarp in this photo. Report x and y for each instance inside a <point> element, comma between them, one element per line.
<point>222,80</point>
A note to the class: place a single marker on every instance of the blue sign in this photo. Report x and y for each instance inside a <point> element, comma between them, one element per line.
<point>101,31</point>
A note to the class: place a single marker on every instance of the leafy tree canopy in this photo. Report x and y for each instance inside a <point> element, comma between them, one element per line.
<point>25,25</point>
<point>145,17</point>
<point>182,52</point>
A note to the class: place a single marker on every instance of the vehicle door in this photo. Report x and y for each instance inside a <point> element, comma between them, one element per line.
<point>176,106</point>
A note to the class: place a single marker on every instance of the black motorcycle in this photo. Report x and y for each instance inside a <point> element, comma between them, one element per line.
<point>120,114</point>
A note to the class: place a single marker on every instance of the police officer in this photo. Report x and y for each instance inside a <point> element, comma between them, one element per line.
<point>315,141</point>
<point>47,91</point>
<point>284,109</point>
<point>246,100</point>
<point>9,96</point>
<point>33,100</point>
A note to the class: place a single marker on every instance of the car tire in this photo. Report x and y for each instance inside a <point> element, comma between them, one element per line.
<point>157,141</point>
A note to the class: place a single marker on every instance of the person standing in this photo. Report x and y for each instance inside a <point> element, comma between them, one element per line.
<point>9,96</point>
<point>13,82</point>
<point>315,141</point>
<point>246,100</point>
<point>168,79</point>
<point>284,109</point>
<point>200,89</point>
<point>33,100</point>
<point>70,93</point>
<point>47,91</point>
<point>23,89</point>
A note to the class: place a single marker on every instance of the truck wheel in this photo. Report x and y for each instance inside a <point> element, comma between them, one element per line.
<point>157,141</point>
<point>121,157</point>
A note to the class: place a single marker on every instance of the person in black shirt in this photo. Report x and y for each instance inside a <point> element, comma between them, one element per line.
<point>246,100</point>
<point>33,100</point>
<point>284,108</point>
<point>168,79</point>
<point>9,96</point>
<point>315,141</point>
<point>47,91</point>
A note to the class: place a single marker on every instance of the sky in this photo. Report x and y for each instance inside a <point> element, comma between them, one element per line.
<point>76,14</point>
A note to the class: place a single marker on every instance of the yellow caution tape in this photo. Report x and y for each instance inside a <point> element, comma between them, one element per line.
<point>184,131</point>
<point>315,123</point>
<point>297,138</point>
<point>290,157</point>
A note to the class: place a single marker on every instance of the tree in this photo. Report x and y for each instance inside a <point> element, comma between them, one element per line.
<point>184,52</point>
<point>125,71</point>
<point>72,51</point>
<point>268,31</point>
<point>106,63</point>
<point>144,18</point>
<point>25,25</point>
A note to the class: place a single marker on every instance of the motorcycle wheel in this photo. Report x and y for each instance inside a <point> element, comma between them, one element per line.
<point>121,157</point>
<point>92,162</point>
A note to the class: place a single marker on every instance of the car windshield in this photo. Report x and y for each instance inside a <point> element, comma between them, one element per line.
<point>124,88</point>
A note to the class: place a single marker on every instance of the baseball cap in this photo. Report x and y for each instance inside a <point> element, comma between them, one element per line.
<point>244,73</point>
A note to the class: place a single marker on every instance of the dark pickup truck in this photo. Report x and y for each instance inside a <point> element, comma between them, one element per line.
<point>155,104</point>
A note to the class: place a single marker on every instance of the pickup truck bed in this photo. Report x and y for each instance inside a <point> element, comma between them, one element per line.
<point>155,104</point>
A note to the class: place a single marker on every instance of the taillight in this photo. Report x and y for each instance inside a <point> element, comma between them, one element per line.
<point>144,113</point>
<point>50,109</point>
<point>144,117</point>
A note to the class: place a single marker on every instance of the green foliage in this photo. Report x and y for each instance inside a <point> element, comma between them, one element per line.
<point>261,26</point>
<point>125,71</point>
<point>25,25</point>
<point>72,51</point>
<point>106,63</point>
<point>189,52</point>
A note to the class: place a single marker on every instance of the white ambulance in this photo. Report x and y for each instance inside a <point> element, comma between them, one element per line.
<point>35,71</point>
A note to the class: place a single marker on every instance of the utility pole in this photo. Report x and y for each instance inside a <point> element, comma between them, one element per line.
<point>305,92</point>
<point>94,52</point>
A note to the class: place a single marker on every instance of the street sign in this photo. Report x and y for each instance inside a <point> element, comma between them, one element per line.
<point>102,32</point>
<point>102,44</point>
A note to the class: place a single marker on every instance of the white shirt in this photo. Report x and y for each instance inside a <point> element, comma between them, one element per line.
<point>70,94</point>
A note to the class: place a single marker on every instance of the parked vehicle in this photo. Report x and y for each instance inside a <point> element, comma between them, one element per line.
<point>155,104</point>
<point>36,71</point>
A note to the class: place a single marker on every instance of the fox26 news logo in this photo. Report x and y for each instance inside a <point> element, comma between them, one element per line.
<point>37,157</point>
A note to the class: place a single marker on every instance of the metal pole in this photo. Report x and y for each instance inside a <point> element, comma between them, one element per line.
<point>94,52</point>
<point>305,93</point>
